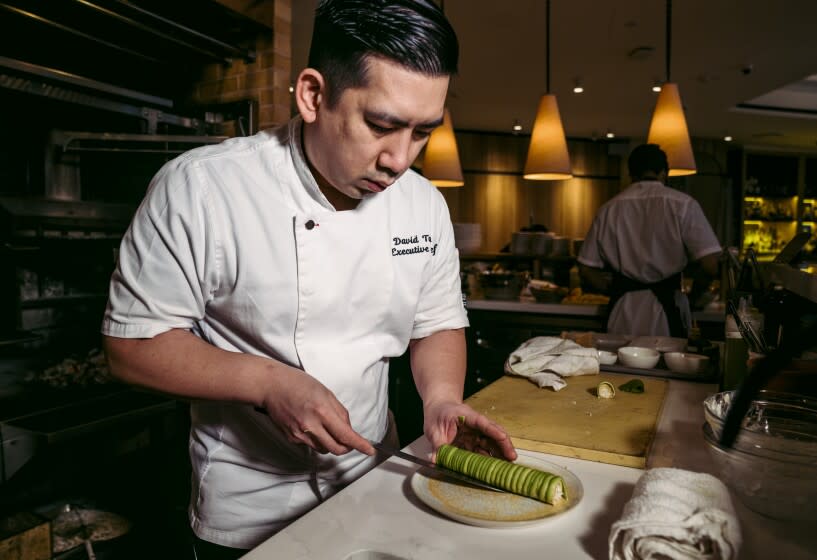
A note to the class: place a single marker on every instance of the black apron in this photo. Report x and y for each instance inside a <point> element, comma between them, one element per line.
<point>664,292</point>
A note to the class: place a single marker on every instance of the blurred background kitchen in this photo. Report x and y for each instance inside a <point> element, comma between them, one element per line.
<point>96,95</point>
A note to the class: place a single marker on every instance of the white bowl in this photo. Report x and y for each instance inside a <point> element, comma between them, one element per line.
<point>634,356</point>
<point>607,358</point>
<point>684,362</point>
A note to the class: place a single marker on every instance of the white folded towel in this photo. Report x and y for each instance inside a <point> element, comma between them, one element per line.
<point>676,514</point>
<point>547,360</point>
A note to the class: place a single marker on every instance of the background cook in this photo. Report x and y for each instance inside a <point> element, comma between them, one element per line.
<point>638,245</point>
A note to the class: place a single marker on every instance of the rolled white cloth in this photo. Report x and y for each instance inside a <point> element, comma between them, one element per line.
<point>676,514</point>
<point>547,360</point>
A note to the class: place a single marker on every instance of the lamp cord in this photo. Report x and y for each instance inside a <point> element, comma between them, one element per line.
<point>669,36</point>
<point>547,46</point>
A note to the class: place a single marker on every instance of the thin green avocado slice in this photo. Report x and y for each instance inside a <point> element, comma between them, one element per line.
<point>512,477</point>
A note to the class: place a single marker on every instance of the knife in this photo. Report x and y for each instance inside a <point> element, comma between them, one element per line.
<point>423,463</point>
<point>435,468</point>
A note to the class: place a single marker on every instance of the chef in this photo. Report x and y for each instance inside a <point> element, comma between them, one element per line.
<point>639,244</point>
<point>270,279</point>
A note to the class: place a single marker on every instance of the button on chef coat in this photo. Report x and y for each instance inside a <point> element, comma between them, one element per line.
<point>648,232</point>
<point>236,243</point>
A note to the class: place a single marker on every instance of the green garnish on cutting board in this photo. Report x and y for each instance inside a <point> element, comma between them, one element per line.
<point>632,386</point>
<point>518,479</point>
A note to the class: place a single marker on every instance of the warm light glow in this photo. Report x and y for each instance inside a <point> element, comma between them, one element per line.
<point>656,88</point>
<point>727,138</point>
<point>548,158</point>
<point>441,163</point>
<point>610,134</point>
<point>578,89</point>
<point>669,130</point>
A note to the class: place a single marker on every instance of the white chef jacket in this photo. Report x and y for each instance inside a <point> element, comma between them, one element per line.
<point>236,243</point>
<point>648,232</point>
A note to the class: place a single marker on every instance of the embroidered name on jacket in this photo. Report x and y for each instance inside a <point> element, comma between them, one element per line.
<point>412,245</point>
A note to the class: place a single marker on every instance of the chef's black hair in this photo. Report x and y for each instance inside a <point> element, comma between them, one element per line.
<point>413,33</point>
<point>647,159</point>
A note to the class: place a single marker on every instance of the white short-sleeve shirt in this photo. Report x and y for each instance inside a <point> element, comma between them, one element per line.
<point>648,232</point>
<point>236,243</point>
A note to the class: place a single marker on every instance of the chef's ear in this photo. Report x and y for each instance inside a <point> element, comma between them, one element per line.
<point>310,92</point>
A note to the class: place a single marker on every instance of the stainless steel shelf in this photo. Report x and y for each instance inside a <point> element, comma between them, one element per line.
<point>78,141</point>
<point>60,300</point>
<point>17,337</point>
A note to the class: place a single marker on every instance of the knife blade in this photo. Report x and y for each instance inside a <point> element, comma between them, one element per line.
<point>446,472</point>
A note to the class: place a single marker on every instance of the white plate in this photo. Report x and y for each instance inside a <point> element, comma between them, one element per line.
<point>485,508</point>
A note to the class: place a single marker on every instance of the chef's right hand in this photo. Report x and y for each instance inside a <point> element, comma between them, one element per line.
<point>309,413</point>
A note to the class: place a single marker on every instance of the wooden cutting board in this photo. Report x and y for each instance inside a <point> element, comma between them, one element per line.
<point>575,423</point>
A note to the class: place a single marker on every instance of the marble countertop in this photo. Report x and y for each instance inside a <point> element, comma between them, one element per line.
<point>379,517</point>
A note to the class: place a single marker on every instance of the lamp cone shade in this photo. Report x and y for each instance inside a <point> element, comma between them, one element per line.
<point>669,130</point>
<point>548,159</point>
<point>441,163</point>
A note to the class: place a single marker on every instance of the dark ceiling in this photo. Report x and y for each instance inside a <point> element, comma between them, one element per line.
<point>724,54</point>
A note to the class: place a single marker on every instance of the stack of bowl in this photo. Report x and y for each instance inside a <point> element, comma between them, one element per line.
<point>502,284</point>
<point>686,362</point>
<point>772,467</point>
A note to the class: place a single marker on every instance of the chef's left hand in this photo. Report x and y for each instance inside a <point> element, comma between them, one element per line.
<point>460,425</point>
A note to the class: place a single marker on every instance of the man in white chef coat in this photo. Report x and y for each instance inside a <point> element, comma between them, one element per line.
<point>639,244</point>
<point>270,278</point>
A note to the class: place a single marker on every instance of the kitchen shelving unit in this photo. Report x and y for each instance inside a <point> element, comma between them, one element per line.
<point>779,200</point>
<point>554,268</point>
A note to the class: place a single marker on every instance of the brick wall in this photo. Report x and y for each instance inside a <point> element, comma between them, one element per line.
<point>266,80</point>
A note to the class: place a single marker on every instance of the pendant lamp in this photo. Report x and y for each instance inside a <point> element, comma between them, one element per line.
<point>668,127</point>
<point>548,158</point>
<point>441,163</point>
